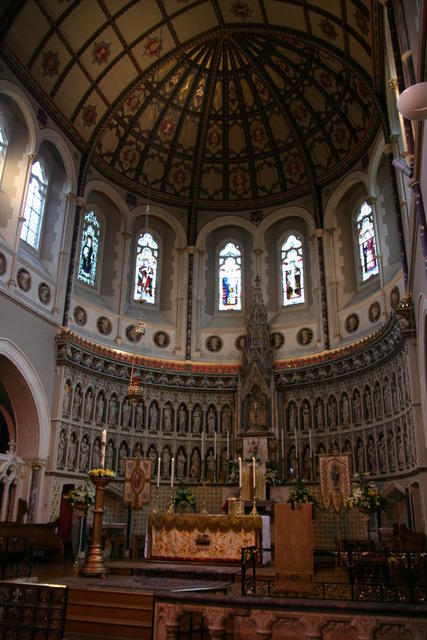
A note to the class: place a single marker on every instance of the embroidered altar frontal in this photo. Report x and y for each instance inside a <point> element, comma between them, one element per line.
<point>211,538</point>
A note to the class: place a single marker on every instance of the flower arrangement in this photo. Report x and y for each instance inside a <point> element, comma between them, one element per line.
<point>300,494</point>
<point>101,473</point>
<point>366,497</point>
<point>272,476</point>
<point>182,497</point>
<point>81,496</point>
<point>233,473</point>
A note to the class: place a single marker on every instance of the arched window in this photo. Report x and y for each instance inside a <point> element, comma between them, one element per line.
<point>146,268</point>
<point>230,278</point>
<point>3,149</point>
<point>34,205</point>
<point>292,265</point>
<point>366,241</point>
<point>90,243</point>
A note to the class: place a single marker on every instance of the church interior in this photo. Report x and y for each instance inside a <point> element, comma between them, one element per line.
<point>213,317</point>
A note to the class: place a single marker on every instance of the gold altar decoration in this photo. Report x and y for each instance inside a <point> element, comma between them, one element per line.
<point>94,565</point>
<point>137,487</point>
<point>197,537</point>
<point>335,484</point>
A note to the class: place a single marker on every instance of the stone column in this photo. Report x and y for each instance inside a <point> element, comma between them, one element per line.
<point>32,499</point>
<point>188,345</point>
<point>62,252</point>
<point>333,285</point>
<point>198,297</point>
<point>80,204</point>
<point>179,301</point>
<point>20,220</point>
<point>126,237</point>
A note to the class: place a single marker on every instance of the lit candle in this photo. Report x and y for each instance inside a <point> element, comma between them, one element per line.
<point>283,445</point>
<point>240,473</point>
<point>172,472</point>
<point>103,443</point>
<point>311,444</point>
<point>253,472</point>
<point>158,472</point>
<point>296,444</point>
<point>203,445</point>
<point>215,445</point>
<point>228,446</point>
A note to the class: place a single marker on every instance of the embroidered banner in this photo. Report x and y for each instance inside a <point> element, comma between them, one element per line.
<point>137,490</point>
<point>335,484</point>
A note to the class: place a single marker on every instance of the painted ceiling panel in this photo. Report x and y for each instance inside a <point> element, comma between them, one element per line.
<point>27,31</point>
<point>78,26</point>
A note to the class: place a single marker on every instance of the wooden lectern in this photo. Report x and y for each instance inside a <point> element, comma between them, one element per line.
<point>293,533</point>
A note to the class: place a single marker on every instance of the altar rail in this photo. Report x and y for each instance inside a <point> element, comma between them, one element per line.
<point>378,576</point>
<point>42,536</point>
<point>32,610</point>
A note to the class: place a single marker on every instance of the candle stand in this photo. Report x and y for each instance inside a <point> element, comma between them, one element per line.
<point>156,504</point>
<point>171,509</point>
<point>240,508</point>
<point>204,507</point>
<point>254,512</point>
<point>94,565</point>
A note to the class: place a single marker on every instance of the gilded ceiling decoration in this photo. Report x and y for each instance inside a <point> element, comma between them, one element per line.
<point>219,104</point>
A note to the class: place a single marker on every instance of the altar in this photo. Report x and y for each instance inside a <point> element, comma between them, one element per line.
<point>201,537</point>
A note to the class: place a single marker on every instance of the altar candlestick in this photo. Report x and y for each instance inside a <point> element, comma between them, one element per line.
<point>228,446</point>
<point>203,445</point>
<point>103,443</point>
<point>240,473</point>
<point>283,445</point>
<point>158,472</point>
<point>296,445</point>
<point>311,444</point>
<point>253,472</point>
<point>172,472</point>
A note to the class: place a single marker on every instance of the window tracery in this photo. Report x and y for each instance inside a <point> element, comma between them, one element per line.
<point>230,278</point>
<point>367,242</point>
<point>146,268</point>
<point>89,249</point>
<point>292,270</point>
<point>3,148</point>
<point>34,205</point>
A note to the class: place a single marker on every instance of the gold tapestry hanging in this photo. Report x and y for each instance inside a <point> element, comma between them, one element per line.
<point>137,490</point>
<point>335,484</point>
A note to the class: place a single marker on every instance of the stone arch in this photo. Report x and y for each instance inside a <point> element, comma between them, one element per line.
<point>29,402</point>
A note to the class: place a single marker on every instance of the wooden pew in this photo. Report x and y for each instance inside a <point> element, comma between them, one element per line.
<point>42,537</point>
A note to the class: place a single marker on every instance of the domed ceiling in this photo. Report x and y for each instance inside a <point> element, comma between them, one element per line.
<point>217,104</point>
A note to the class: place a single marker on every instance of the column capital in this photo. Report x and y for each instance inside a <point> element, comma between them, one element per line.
<point>393,84</point>
<point>80,201</point>
<point>126,235</point>
<point>371,200</point>
<point>190,249</point>
<point>32,157</point>
<point>70,196</point>
<point>258,251</point>
<point>330,230</point>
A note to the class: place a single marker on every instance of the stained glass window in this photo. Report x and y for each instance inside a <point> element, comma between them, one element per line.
<point>3,148</point>
<point>34,205</point>
<point>366,241</point>
<point>147,258</point>
<point>292,263</point>
<point>91,236</point>
<point>230,278</point>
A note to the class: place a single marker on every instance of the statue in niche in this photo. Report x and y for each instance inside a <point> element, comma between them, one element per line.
<point>306,464</point>
<point>72,451</point>
<point>408,445</point>
<point>197,420</point>
<point>293,418</point>
<point>394,393</point>
<point>357,404</point>
<point>180,464</point>
<point>391,450</point>
<point>306,416</point>
<point>77,403</point>
<point>399,446</point>
<point>377,402</point>
<point>109,455</point>
<point>292,463</point>
<point>123,452</point>
<point>211,421</point>
<point>195,465</point>
<point>137,450</point>
<point>345,410</point>
<point>62,449</point>
<point>210,466</point>
<point>360,457</point>
<point>182,419</point>
<point>66,401</point>
<point>371,455</point>
<point>166,459</point>
<point>126,413</point>
<point>84,454</point>
<point>154,418</point>
<point>319,415</point>
<point>152,454</point>
<point>112,413</point>
<point>257,410</point>
<point>333,417</point>
<point>226,420</point>
<point>139,416</point>
<point>100,404</point>
<point>167,418</point>
<point>368,404</point>
<point>381,453</point>
<point>387,398</point>
<point>88,406</point>
<point>96,454</point>
<point>400,389</point>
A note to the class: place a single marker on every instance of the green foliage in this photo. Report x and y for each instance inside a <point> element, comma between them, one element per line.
<point>300,494</point>
<point>183,496</point>
<point>272,475</point>
<point>365,497</point>
<point>83,495</point>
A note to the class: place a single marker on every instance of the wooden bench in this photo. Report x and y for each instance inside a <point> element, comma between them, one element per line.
<point>43,537</point>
